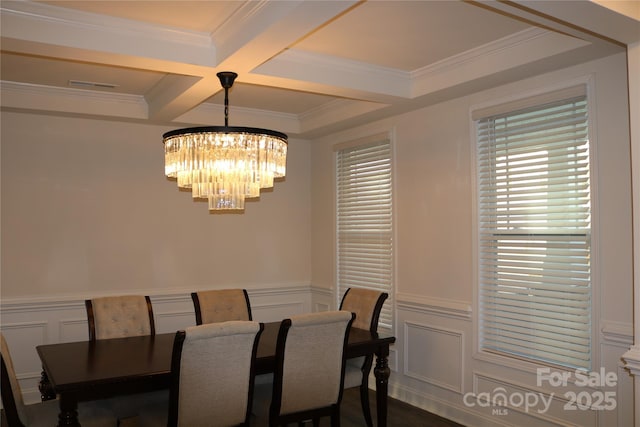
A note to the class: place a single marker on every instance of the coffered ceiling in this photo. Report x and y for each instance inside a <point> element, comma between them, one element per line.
<point>306,68</point>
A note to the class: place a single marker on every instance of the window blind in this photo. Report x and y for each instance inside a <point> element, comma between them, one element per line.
<point>534,225</point>
<point>364,222</point>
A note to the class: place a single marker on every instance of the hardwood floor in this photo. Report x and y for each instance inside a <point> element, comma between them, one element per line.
<point>400,415</point>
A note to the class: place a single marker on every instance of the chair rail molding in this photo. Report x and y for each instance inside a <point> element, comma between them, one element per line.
<point>431,305</point>
<point>632,361</point>
<point>617,332</point>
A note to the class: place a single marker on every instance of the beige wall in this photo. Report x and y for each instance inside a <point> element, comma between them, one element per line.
<point>435,360</point>
<point>86,210</point>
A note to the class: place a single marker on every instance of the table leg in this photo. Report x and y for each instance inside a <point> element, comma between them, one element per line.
<point>382,373</point>
<point>68,416</point>
<point>45,387</point>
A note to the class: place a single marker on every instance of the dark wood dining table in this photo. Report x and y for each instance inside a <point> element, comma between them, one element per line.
<point>91,370</point>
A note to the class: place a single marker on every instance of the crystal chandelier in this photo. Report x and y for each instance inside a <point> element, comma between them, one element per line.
<point>225,164</point>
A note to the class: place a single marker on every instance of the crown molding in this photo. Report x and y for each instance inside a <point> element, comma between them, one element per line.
<point>25,96</point>
<point>509,52</point>
<point>501,45</point>
<point>76,29</point>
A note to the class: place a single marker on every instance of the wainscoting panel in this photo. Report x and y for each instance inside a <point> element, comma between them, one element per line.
<point>20,337</point>
<point>70,330</point>
<point>275,312</point>
<point>172,321</point>
<point>321,307</point>
<point>434,355</point>
<point>499,396</point>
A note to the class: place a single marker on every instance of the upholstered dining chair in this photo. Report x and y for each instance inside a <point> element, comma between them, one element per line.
<point>119,317</point>
<point>221,305</point>
<point>366,304</point>
<point>212,374</point>
<point>123,316</point>
<point>19,414</point>
<point>309,371</point>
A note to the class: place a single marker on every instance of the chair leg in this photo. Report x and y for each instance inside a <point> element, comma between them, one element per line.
<point>335,418</point>
<point>364,400</point>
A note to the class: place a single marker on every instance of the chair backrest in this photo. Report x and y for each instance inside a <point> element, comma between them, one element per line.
<point>212,372</point>
<point>366,304</point>
<point>12,400</point>
<point>119,316</point>
<point>310,362</point>
<point>221,305</point>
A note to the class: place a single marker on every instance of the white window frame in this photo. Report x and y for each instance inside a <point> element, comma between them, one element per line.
<point>387,315</point>
<point>524,100</point>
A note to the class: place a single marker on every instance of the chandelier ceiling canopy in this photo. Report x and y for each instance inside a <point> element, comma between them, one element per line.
<point>225,164</point>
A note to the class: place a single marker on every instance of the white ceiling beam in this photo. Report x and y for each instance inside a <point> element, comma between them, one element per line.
<point>175,94</point>
<point>300,70</point>
<point>618,21</point>
<point>586,20</point>
<point>40,29</point>
<point>256,32</point>
<point>261,30</point>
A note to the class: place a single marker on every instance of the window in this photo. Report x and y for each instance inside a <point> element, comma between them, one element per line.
<point>534,230</point>
<point>364,222</point>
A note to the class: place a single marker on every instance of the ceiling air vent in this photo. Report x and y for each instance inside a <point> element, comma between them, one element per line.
<point>88,85</point>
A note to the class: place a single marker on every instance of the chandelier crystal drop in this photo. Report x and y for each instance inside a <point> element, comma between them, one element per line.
<point>225,164</point>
